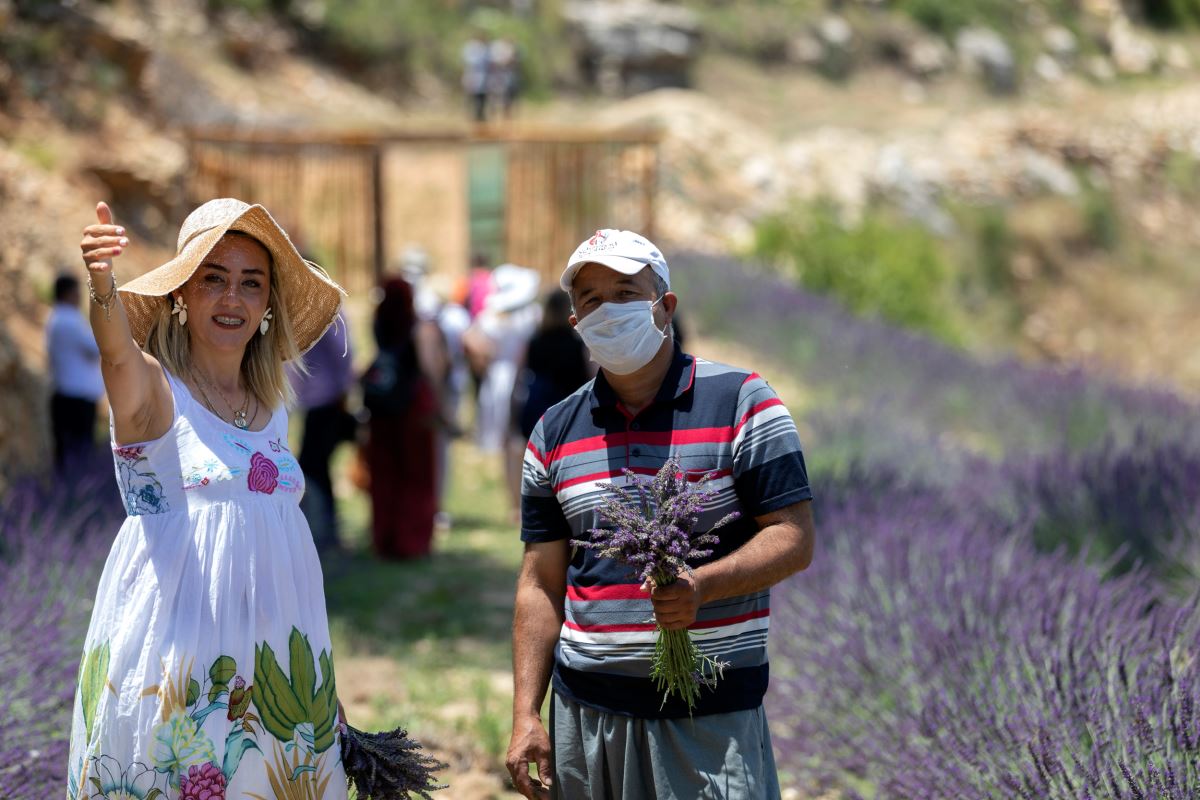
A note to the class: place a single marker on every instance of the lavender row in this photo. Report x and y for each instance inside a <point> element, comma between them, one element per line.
<point>932,652</point>
<point>53,542</point>
<point>879,390</point>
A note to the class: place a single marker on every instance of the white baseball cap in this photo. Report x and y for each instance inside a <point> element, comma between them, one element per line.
<point>624,251</point>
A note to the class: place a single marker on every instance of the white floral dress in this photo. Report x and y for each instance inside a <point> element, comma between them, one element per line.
<point>207,672</point>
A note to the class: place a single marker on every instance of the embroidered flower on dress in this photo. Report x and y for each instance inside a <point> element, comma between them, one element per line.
<point>203,782</point>
<point>111,782</point>
<point>179,744</point>
<point>130,453</point>
<point>264,474</point>
<point>141,490</point>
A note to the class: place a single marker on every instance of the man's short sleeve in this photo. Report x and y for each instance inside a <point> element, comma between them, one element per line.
<point>768,464</point>
<point>542,518</point>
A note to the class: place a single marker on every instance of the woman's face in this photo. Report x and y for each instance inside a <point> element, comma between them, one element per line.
<point>228,294</point>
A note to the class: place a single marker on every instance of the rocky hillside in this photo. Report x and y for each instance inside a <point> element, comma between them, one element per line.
<point>775,105</point>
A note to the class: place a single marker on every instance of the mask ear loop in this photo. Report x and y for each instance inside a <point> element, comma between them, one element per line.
<point>662,330</point>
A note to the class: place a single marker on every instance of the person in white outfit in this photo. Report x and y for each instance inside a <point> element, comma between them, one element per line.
<point>501,331</point>
<point>207,669</point>
<point>74,365</point>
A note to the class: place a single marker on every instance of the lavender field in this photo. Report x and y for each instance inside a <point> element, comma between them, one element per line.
<point>1003,599</point>
<point>1002,603</point>
<point>54,537</point>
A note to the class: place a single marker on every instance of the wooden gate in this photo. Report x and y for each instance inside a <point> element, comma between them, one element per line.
<point>353,202</point>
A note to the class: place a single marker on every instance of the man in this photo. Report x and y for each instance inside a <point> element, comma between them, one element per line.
<point>582,620</point>
<point>74,362</point>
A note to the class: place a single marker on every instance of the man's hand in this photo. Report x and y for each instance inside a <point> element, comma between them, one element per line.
<point>530,744</point>
<point>676,606</point>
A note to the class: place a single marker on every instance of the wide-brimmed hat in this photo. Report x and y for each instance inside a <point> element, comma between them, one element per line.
<point>312,297</point>
<point>514,287</point>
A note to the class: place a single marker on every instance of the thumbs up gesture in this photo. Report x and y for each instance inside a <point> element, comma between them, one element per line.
<point>102,242</point>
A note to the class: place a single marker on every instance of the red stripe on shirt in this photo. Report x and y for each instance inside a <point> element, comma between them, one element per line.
<point>765,404</point>
<point>693,476</point>
<point>536,454</point>
<point>602,442</point>
<point>592,444</point>
<point>620,591</point>
<point>649,626</point>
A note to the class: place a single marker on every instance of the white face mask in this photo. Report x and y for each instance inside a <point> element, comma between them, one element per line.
<point>622,337</point>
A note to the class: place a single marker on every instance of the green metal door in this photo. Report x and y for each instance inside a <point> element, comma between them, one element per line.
<point>486,185</point>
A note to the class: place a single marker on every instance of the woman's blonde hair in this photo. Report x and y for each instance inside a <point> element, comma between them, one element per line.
<point>262,363</point>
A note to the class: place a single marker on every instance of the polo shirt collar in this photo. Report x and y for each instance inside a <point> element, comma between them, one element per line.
<point>680,377</point>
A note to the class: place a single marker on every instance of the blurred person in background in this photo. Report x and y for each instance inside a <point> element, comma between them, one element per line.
<point>321,386</point>
<point>504,76</point>
<point>452,321</point>
<point>555,364</point>
<point>480,284</point>
<point>213,579</point>
<point>580,620</point>
<point>74,364</point>
<point>400,391</point>
<point>495,344</point>
<point>475,60</point>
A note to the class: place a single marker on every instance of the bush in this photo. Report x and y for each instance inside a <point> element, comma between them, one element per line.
<point>898,391</point>
<point>947,19</point>
<point>1170,13</point>
<point>53,542</point>
<point>931,652</point>
<point>1135,504</point>
<point>875,266</point>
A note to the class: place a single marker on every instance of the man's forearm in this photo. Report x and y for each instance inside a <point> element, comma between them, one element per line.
<point>774,553</point>
<point>536,623</point>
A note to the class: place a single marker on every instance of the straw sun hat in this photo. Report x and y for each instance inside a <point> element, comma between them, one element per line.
<point>312,297</point>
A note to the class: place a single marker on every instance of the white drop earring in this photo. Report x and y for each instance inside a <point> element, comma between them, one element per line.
<point>180,309</point>
<point>265,324</point>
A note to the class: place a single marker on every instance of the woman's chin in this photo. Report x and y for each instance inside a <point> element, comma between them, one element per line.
<point>222,339</point>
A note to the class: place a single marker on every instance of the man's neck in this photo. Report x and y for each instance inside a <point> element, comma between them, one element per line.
<point>638,389</point>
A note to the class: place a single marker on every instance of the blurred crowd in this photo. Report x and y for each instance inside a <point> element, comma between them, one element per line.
<point>481,354</point>
<point>485,356</point>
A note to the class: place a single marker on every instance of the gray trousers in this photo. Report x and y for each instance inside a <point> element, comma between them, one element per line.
<point>602,756</point>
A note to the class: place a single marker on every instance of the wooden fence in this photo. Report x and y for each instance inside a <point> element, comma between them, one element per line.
<point>355,201</point>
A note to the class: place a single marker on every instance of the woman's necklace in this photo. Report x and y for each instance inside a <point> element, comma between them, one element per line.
<point>239,415</point>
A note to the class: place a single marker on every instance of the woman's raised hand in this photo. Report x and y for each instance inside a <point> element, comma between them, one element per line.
<point>101,243</point>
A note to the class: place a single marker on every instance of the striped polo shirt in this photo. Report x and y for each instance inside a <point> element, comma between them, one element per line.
<point>713,418</point>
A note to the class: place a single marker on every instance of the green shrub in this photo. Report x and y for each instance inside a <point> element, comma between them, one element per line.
<point>1182,173</point>
<point>948,17</point>
<point>1170,13</point>
<point>876,266</point>
<point>1102,218</point>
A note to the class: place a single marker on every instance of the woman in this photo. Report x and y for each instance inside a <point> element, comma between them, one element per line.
<point>207,668</point>
<point>399,391</point>
<point>554,365</point>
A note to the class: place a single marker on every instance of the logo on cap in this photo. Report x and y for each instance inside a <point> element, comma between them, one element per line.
<point>597,238</point>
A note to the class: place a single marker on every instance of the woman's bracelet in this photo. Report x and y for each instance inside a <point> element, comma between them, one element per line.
<point>104,301</point>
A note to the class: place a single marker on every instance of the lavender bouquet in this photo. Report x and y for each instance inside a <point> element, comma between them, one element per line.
<point>388,765</point>
<point>650,528</point>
